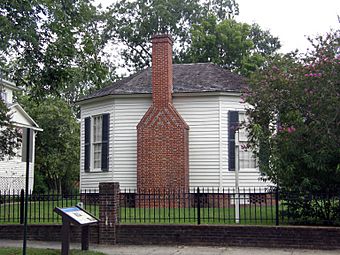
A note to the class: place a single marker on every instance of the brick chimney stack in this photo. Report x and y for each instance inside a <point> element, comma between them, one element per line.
<point>162,70</point>
<point>162,134</point>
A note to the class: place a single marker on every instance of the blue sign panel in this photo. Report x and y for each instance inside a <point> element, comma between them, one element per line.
<point>78,215</point>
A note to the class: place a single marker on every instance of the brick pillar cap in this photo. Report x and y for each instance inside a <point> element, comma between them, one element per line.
<point>162,38</point>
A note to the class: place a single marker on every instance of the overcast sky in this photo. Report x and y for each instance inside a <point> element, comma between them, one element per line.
<point>290,20</point>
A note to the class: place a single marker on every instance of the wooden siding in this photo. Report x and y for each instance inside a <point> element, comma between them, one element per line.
<point>128,113</point>
<point>202,116</point>
<point>89,181</point>
<point>13,175</point>
<point>247,177</point>
<point>207,117</point>
<point>13,171</point>
<point>18,117</point>
<point>9,94</point>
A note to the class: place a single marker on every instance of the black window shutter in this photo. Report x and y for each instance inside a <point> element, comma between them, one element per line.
<point>232,126</point>
<point>105,142</point>
<point>87,144</point>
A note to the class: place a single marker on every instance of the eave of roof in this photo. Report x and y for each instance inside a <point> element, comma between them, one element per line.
<point>9,84</point>
<point>34,125</point>
<point>149,95</point>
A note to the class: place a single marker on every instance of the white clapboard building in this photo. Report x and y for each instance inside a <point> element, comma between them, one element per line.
<point>13,169</point>
<point>206,96</point>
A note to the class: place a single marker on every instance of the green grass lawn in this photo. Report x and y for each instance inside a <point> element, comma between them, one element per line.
<point>248,215</point>
<point>41,212</point>
<point>32,251</point>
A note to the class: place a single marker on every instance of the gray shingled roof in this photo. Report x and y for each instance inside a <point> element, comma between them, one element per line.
<point>188,78</point>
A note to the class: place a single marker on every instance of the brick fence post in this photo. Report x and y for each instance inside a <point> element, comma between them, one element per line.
<point>108,212</point>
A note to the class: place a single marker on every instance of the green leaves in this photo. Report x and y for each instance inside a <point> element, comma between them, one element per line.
<point>300,96</point>
<point>54,47</point>
<point>57,146</point>
<point>10,139</point>
<point>132,23</point>
<point>235,46</point>
<point>225,9</point>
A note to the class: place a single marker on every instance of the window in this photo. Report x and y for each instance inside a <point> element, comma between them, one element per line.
<point>247,159</point>
<point>96,142</point>
<point>246,156</point>
<point>3,95</point>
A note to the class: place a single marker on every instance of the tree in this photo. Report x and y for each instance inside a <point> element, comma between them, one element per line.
<point>9,136</point>
<point>53,47</point>
<point>236,46</point>
<point>57,146</point>
<point>198,27</point>
<point>133,23</point>
<point>223,9</point>
<point>265,44</point>
<point>294,123</point>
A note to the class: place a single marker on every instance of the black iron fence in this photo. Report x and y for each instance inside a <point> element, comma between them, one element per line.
<point>41,206</point>
<point>261,206</point>
<point>201,206</point>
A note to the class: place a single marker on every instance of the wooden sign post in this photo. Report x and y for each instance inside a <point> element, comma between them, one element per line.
<point>77,216</point>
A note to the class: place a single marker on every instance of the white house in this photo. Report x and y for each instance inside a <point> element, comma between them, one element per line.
<point>13,169</point>
<point>203,98</point>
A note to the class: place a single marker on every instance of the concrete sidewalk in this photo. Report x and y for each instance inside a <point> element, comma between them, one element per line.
<point>171,250</point>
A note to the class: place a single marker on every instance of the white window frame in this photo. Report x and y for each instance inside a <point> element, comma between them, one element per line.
<point>243,139</point>
<point>95,142</point>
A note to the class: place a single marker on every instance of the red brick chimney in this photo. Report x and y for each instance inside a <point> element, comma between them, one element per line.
<point>162,134</point>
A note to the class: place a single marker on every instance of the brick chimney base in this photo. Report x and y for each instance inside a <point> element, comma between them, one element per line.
<point>162,149</point>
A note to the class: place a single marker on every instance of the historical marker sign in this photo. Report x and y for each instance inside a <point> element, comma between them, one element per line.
<point>77,216</point>
<point>80,216</point>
